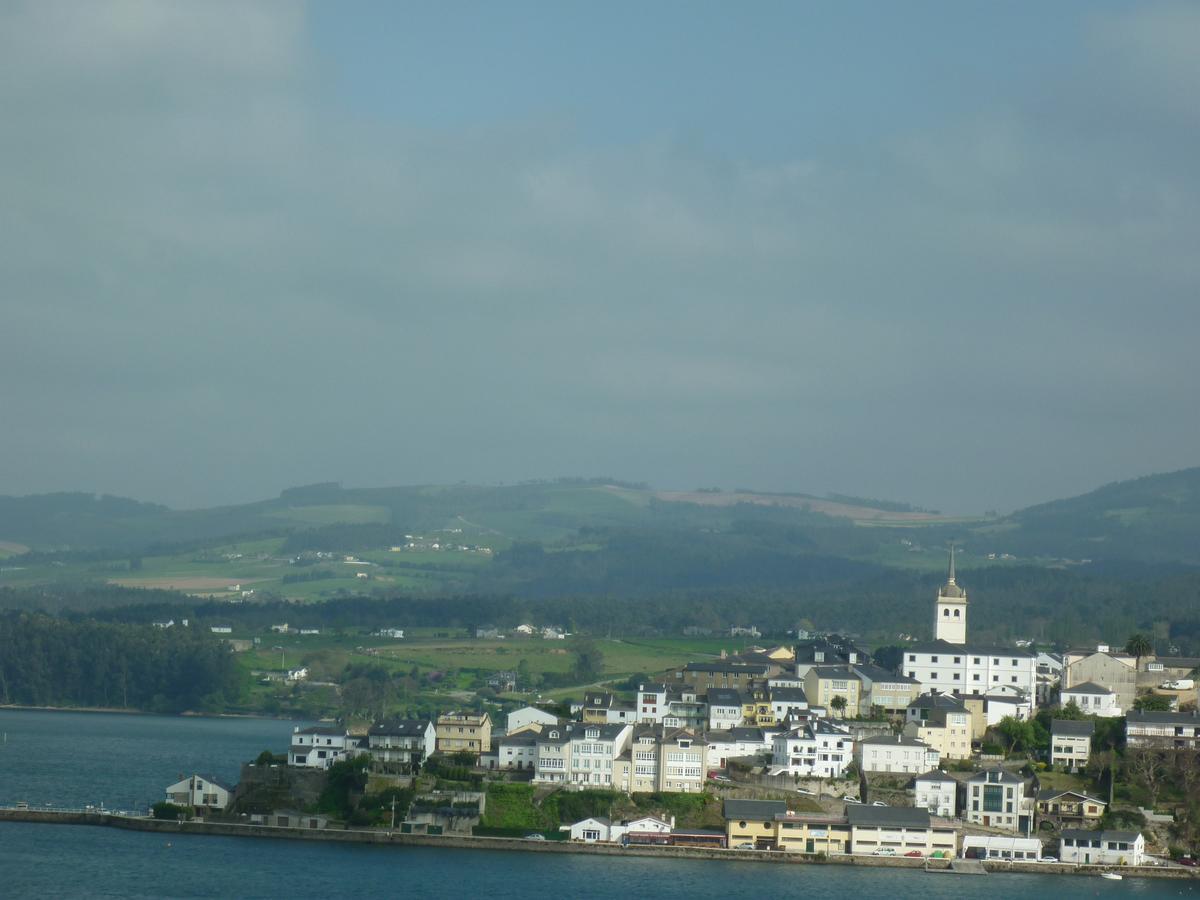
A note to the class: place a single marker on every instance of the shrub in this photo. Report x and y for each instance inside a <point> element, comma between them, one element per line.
<point>168,811</point>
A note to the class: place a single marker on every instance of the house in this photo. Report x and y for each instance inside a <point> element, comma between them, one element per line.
<point>995,846</point>
<point>464,732</point>
<point>290,818</point>
<point>1049,671</point>
<point>404,742</point>
<point>942,722</point>
<point>833,650</point>
<point>595,829</point>
<point>281,628</point>
<point>662,759</point>
<point>817,749</point>
<point>974,669</point>
<point>1092,699</point>
<point>320,746</point>
<point>894,753</point>
<point>899,830</point>
<point>1115,672</point>
<point>200,791</point>
<point>528,717</point>
<point>997,799</point>
<point>937,792</point>
<point>1103,848</point>
<point>390,633</point>
<point>1165,730</point>
<point>488,633</point>
<point>502,682</point>
<point>1070,808</point>
<point>722,674</point>
<point>580,754</point>
<point>221,629</point>
<point>885,691</point>
<point>752,822</point>
<point>834,686</point>
<point>724,708</point>
<point>298,674</point>
<point>787,703</point>
<point>767,825</point>
<point>735,743</point>
<point>1071,742</point>
<point>516,751</point>
<point>602,707</point>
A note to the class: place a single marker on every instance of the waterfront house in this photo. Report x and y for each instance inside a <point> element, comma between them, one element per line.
<point>403,742</point>
<point>937,792</point>
<point>200,791</point>
<point>899,830</point>
<point>1071,742</point>
<point>997,846</point>
<point>1105,848</point>
<point>1164,730</point>
<point>320,746</point>
<point>997,799</point>
<point>580,754</point>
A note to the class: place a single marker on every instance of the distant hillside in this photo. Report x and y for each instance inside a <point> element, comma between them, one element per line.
<point>1154,519</point>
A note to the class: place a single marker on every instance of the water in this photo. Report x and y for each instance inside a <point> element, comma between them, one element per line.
<point>126,761</point>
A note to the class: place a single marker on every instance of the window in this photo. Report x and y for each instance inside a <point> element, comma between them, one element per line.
<point>975,677</point>
<point>956,676</point>
<point>933,659</point>
<point>975,660</point>
<point>912,657</point>
<point>957,660</point>
<point>993,798</point>
<point>956,614</point>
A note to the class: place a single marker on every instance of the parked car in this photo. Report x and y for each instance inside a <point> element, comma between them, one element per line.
<point>1048,859</point>
<point>803,791</point>
<point>852,800</point>
<point>1186,861</point>
<point>534,836</point>
<point>879,803</point>
<point>914,853</point>
<point>746,846</point>
<point>724,779</point>
<point>884,851</point>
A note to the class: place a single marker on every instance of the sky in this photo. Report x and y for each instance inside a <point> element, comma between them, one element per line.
<point>940,252</point>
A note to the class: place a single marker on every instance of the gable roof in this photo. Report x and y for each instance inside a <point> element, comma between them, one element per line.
<point>1084,834</point>
<point>400,727</point>
<point>1052,794</point>
<point>1088,687</point>
<point>1073,727</point>
<point>969,649</point>
<point>896,816</point>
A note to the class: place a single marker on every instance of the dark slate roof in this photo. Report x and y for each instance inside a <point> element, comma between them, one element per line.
<point>967,649</point>
<point>1084,834</point>
<point>754,809</point>
<point>935,775</point>
<point>400,727</point>
<point>875,673</point>
<point>724,697</point>
<point>1005,777</point>
<point>895,740</point>
<point>1088,687</point>
<point>653,687</point>
<point>1163,718</point>
<point>934,700</point>
<point>836,672</point>
<point>1073,727</point>
<point>733,667</point>
<point>330,730</point>
<point>788,695</point>
<point>897,816</point>
<point>747,734</point>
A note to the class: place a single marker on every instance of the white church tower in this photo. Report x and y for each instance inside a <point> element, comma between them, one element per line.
<point>950,614</point>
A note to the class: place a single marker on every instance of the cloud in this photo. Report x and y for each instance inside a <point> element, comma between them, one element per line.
<point>221,281</point>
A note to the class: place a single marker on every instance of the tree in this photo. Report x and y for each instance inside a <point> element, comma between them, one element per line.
<point>589,660</point>
<point>839,705</point>
<point>1152,703</point>
<point>168,811</point>
<point>1146,767</point>
<point>1138,646</point>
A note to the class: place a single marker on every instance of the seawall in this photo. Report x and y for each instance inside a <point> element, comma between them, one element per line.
<point>380,837</point>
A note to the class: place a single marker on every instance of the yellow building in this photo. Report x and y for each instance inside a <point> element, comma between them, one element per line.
<point>757,711</point>
<point>767,825</point>
<point>823,683</point>
<point>464,732</point>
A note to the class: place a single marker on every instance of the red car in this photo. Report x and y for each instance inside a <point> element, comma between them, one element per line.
<point>1186,861</point>
<point>917,853</point>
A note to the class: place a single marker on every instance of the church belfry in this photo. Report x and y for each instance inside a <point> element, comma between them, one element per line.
<point>950,612</point>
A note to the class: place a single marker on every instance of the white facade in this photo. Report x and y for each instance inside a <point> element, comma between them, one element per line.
<point>520,719</point>
<point>734,744</point>
<point>895,753</point>
<point>996,799</point>
<point>724,709</point>
<point>199,790</point>
<point>1070,743</point>
<point>966,670</point>
<point>1104,848</point>
<point>319,747</point>
<point>950,611</point>
<point>995,846</point>
<point>815,750</point>
<point>406,741</point>
<point>936,792</point>
<point>1093,699</point>
<point>582,756</point>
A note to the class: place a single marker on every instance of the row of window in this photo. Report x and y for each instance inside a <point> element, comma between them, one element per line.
<point>975,660</point>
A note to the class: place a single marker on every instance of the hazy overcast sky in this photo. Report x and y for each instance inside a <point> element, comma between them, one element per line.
<point>939,252</point>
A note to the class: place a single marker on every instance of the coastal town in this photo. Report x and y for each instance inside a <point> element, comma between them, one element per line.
<point>812,749</point>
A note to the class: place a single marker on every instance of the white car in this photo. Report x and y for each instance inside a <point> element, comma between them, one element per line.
<point>879,803</point>
<point>803,791</point>
<point>853,800</point>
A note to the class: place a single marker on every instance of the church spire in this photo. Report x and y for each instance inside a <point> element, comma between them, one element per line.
<point>950,579</point>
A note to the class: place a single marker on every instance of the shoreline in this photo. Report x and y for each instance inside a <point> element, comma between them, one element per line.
<point>469,842</point>
<point>116,710</point>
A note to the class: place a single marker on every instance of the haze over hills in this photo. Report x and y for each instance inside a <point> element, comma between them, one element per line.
<point>1153,519</point>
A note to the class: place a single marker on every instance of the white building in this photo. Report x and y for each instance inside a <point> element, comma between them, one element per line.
<point>997,799</point>
<point>1071,742</point>
<point>405,742</point>
<point>817,749</point>
<point>937,792</point>
<point>724,708</point>
<point>515,751</point>
<point>898,831</point>
<point>201,791</point>
<point>996,846</point>
<point>579,754</point>
<point>736,743</point>
<point>521,719</point>
<point>950,664</point>
<point>320,746</point>
<point>894,753</point>
<point>298,674</point>
<point>1104,848</point>
<point>662,759</point>
<point>943,723</point>
<point>1165,730</point>
<point>1092,699</point>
